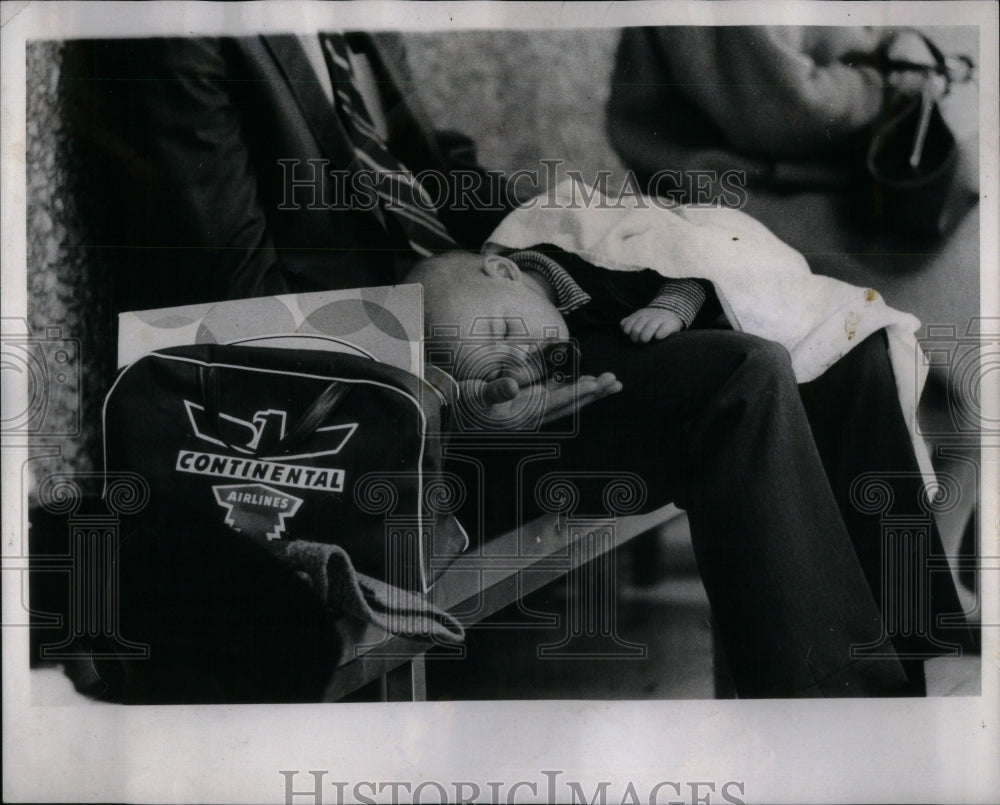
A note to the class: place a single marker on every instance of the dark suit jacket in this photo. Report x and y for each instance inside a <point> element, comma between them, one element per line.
<point>182,140</point>
<point>188,138</point>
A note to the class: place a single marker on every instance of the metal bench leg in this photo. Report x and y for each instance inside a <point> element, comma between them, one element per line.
<point>407,682</point>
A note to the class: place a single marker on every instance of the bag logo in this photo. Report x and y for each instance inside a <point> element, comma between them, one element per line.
<point>256,509</point>
<point>261,435</point>
<point>256,440</point>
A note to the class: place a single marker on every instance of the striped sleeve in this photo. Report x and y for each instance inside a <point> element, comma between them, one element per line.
<point>683,297</point>
<point>569,294</point>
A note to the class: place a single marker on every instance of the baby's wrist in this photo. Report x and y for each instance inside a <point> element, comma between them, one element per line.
<point>664,313</point>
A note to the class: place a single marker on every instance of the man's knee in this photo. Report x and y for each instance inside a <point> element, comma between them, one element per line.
<point>763,364</point>
<point>768,354</point>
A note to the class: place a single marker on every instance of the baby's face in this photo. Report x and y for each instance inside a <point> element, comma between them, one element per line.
<point>484,301</point>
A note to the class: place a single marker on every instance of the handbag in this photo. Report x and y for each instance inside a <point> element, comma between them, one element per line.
<point>291,444</point>
<point>913,155</point>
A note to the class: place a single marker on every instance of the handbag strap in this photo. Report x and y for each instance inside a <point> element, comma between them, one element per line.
<point>904,65</point>
<point>955,69</point>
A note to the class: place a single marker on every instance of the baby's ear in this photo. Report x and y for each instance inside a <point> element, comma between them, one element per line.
<point>501,267</point>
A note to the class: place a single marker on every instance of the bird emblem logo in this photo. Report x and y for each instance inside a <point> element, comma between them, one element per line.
<point>262,454</point>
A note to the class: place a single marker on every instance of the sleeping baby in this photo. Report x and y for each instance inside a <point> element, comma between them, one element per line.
<point>531,289</point>
<point>644,272</point>
<point>540,297</point>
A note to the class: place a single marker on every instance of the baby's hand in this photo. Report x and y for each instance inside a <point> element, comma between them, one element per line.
<point>651,322</point>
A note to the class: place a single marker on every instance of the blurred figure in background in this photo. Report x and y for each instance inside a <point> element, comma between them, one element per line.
<point>787,115</point>
<point>784,104</point>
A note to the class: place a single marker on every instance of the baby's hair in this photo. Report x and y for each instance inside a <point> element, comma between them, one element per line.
<point>422,267</point>
<point>432,267</point>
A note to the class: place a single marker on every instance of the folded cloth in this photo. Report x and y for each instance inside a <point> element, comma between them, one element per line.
<point>329,570</point>
<point>765,287</point>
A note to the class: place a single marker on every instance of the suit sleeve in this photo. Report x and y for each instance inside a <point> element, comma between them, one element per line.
<point>181,189</point>
<point>196,136</point>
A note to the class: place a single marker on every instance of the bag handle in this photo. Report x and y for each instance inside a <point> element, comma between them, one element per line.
<point>208,386</point>
<point>324,404</point>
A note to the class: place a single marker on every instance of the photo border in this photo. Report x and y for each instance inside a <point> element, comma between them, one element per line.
<point>906,750</point>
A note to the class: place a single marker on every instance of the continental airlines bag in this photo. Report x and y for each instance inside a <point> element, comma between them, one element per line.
<point>284,445</point>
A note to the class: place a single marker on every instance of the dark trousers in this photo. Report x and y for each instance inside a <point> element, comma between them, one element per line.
<point>714,421</point>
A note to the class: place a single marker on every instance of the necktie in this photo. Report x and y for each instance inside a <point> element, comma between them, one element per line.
<point>401,195</point>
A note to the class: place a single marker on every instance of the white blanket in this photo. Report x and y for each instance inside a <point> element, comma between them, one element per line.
<point>764,286</point>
